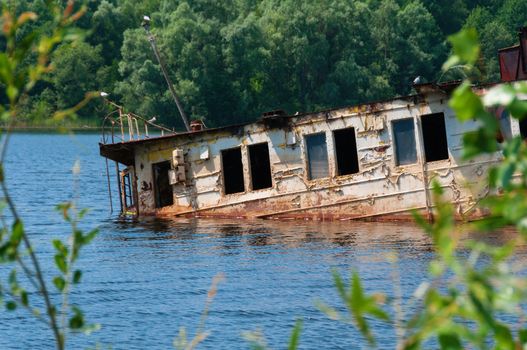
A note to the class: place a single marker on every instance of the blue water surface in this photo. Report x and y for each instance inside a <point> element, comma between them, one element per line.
<point>143,280</point>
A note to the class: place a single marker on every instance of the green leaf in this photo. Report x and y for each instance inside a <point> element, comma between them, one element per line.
<point>504,338</point>
<point>356,287</point>
<point>10,305</point>
<point>490,124</point>
<point>339,284</point>
<point>64,209</point>
<point>477,142</point>
<point>60,262</point>
<point>77,276</point>
<point>90,236</point>
<point>6,69</point>
<point>450,63</point>
<point>522,334</point>
<point>295,336</point>
<point>421,221</point>
<point>5,117</point>
<point>490,223</point>
<point>4,252</point>
<point>512,148</point>
<point>449,341</point>
<point>24,45</point>
<point>60,247</point>
<point>465,103</point>
<point>181,341</point>
<point>518,109</point>
<point>60,283</point>
<point>412,344</point>
<point>376,311</point>
<point>82,213</point>
<point>18,232</point>
<point>12,278</point>
<point>505,173</point>
<point>328,310</point>
<point>465,46</point>
<point>437,268</point>
<point>356,304</point>
<point>483,312</point>
<point>77,320</point>
<point>12,92</point>
<point>24,299</point>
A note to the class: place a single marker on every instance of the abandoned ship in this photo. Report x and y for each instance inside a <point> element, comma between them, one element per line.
<point>373,161</point>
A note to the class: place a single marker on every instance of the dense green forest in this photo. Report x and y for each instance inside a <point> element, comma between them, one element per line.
<point>232,60</point>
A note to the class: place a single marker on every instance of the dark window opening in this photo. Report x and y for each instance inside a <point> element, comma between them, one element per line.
<point>162,187</point>
<point>317,156</point>
<point>523,128</point>
<point>404,140</point>
<point>232,170</point>
<point>346,149</point>
<point>260,166</point>
<point>434,137</point>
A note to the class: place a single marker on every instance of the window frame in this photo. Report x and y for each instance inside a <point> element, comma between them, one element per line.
<point>223,188</point>
<point>251,185</point>
<point>335,151</point>
<point>307,158</point>
<point>394,142</point>
<point>157,195</point>
<point>424,141</point>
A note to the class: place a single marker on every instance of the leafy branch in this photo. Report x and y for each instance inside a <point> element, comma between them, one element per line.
<point>26,61</point>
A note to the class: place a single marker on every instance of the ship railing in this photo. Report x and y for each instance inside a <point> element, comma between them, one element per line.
<point>119,126</point>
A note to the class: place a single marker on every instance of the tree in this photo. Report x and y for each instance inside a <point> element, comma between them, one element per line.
<point>75,67</point>
<point>449,14</point>
<point>408,43</point>
<point>232,60</point>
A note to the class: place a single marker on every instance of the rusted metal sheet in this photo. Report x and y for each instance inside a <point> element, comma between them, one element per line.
<point>513,60</point>
<point>509,67</point>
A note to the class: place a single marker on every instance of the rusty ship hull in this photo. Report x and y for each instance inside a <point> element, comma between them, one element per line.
<point>373,161</point>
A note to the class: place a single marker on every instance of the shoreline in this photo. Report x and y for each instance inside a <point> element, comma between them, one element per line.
<point>53,129</point>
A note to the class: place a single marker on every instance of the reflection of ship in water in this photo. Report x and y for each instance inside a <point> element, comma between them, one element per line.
<point>366,237</point>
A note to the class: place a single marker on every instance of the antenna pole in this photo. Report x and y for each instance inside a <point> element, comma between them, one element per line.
<point>151,39</point>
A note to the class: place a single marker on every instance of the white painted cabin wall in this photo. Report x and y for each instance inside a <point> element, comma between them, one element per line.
<point>380,183</point>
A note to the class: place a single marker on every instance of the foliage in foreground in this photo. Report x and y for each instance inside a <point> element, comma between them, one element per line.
<point>24,63</point>
<point>475,300</point>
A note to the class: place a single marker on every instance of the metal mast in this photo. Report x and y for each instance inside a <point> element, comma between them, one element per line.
<point>151,39</point>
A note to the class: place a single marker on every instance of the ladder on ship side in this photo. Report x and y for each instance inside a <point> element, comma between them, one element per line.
<point>127,194</point>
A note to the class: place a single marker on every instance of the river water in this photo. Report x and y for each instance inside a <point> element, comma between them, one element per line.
<point>143,280</point>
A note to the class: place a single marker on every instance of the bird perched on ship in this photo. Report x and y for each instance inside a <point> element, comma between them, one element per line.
<point>151,120</point>
<point>418,80</point>
<point>146,22</point>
